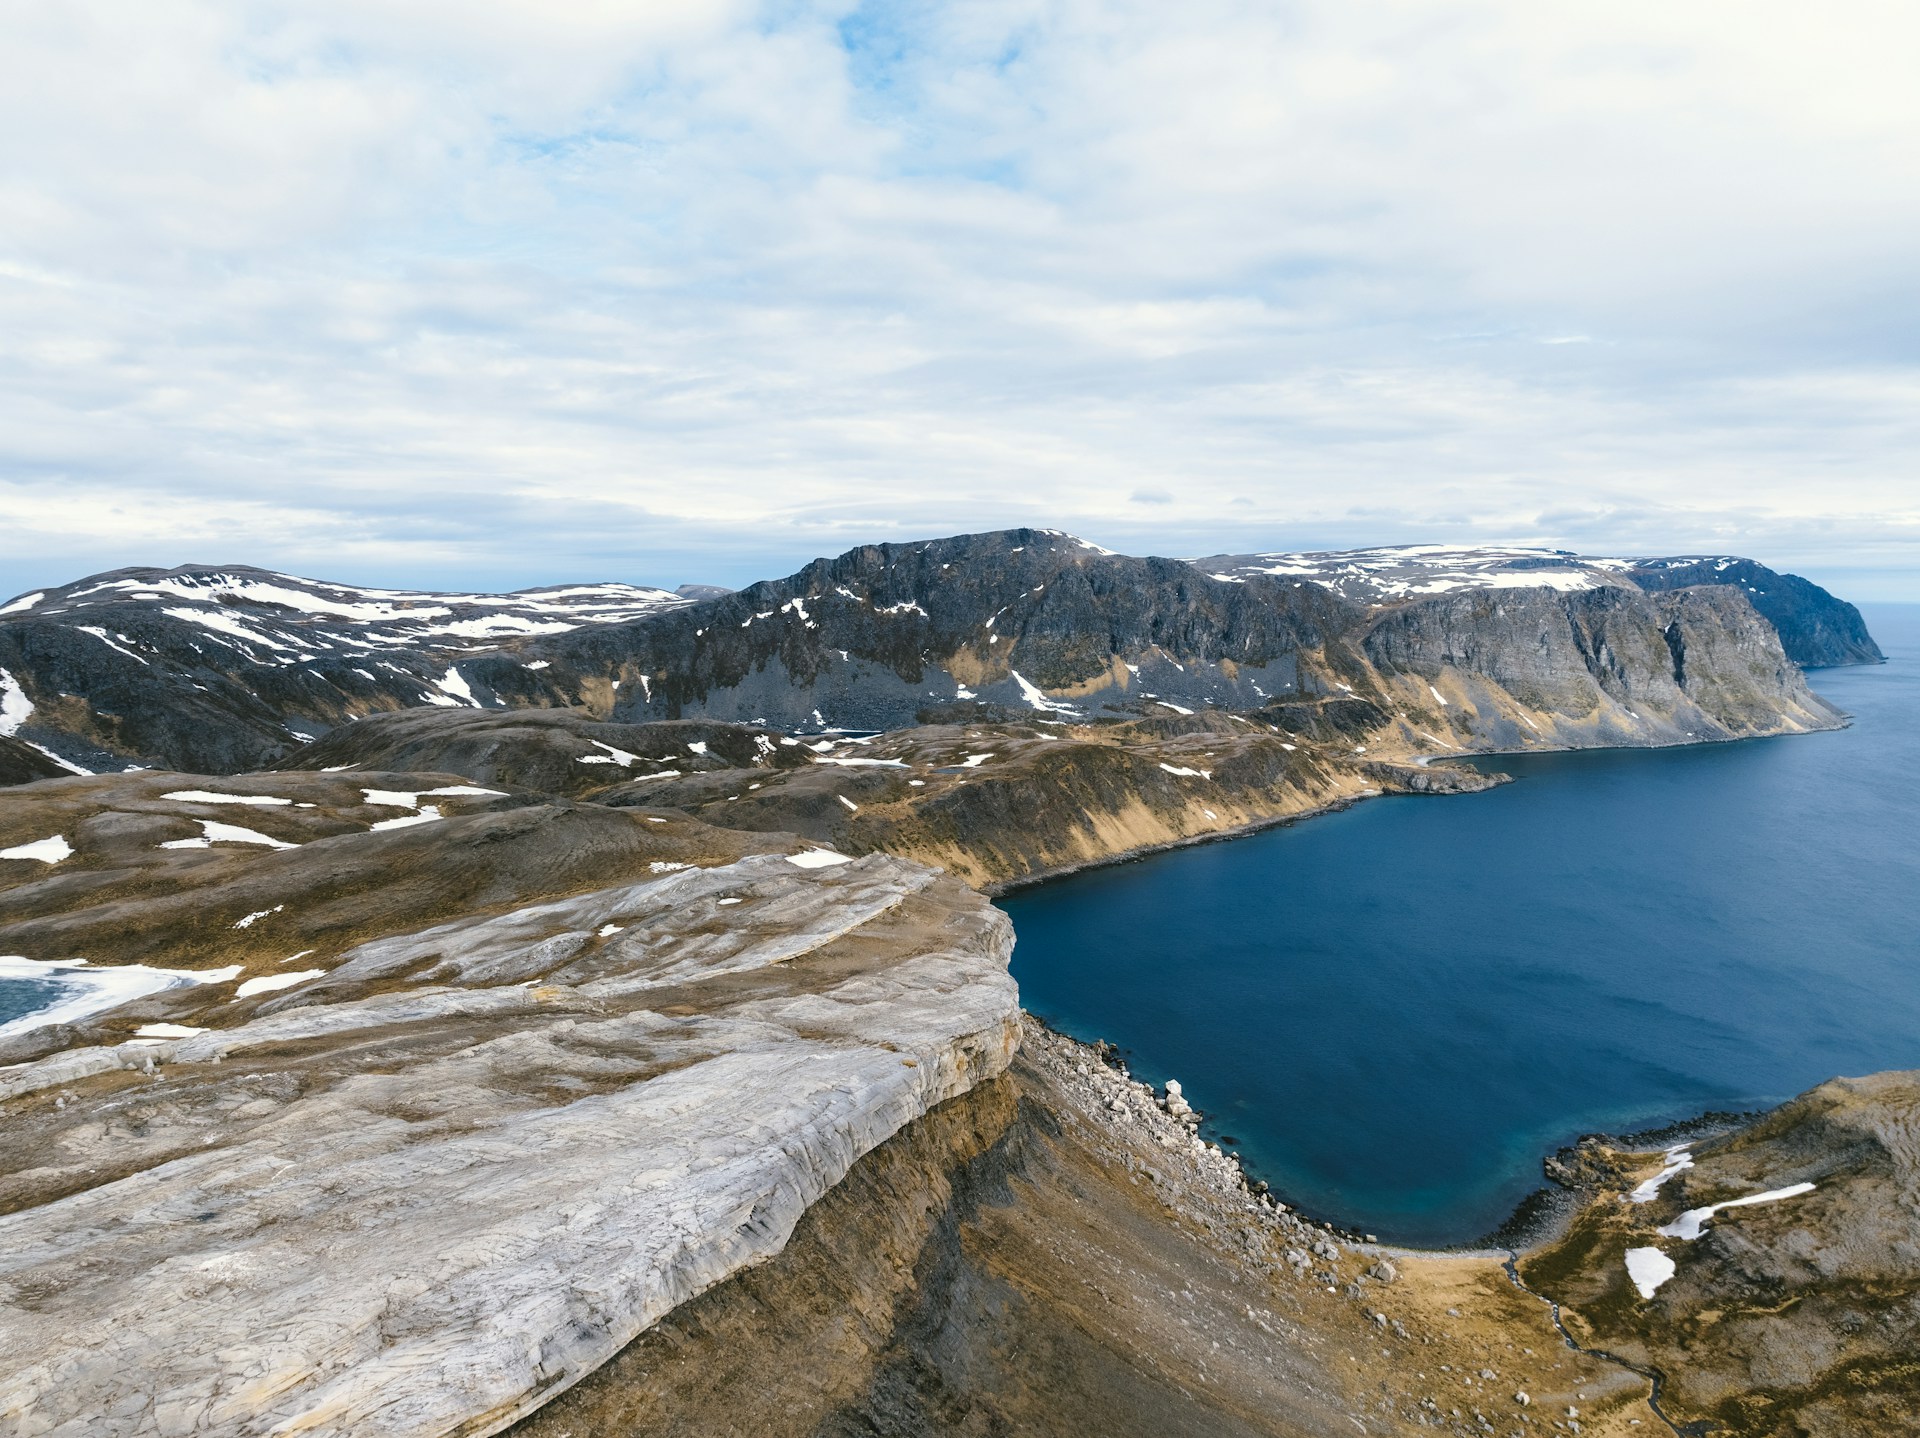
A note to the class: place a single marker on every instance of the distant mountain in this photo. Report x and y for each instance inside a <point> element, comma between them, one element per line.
<point>220,669</point>
<point>1816,629</point>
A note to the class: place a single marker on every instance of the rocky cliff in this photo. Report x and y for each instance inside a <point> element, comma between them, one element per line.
<point>221,670</point>
<point>421,1183</point>
<point>1816,628</point>
<point>1519,668</point>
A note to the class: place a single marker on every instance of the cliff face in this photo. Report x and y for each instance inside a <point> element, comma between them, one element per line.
<point>1053,1254</point>
<point>1602,666</point>
<point>1816,629</point>
<point>871,638</point>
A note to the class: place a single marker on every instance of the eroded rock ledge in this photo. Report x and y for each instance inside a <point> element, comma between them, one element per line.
<point>430,1190</point>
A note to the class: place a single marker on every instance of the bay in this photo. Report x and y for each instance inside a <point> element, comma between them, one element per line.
<point>1395,1011</point>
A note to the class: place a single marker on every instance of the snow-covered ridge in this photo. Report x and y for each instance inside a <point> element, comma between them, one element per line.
<point>1397,573</point>
<point>290,617</point>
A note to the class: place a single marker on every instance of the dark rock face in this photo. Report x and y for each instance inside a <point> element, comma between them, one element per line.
<point>224,668</point>
<point>22,764</point>
<point>1816,629</point>
<point>873,637</point>
<point>220,670</point>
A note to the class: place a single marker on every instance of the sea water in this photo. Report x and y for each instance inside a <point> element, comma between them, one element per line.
<point>1395,1011</point>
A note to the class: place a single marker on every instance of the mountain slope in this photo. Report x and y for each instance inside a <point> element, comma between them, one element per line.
<point>225,669</point>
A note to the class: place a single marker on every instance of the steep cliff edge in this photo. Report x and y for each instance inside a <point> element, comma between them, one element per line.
<point>427,1186</point>
<point>1817,629</point>
<point>1054,1254</point>
<point>1522,668</point>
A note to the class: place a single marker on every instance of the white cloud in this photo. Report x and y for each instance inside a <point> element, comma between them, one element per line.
<point>399,290</point>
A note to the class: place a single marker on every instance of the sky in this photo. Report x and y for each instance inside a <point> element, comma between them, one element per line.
<point>489,293</point>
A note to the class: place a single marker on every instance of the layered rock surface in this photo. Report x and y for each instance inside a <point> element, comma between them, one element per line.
<point>1055,1254</point>
<point>435,1185</point>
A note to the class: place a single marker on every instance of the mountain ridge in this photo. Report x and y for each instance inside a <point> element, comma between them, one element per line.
<point>226,668</point>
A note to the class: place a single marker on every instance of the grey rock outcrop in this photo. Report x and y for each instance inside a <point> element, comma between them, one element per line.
<point>427,1191</point>
<point>1600,666</point>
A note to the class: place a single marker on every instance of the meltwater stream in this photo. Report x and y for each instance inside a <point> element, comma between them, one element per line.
<point>1397,1010</point>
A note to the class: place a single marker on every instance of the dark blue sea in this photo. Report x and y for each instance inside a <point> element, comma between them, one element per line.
<point>1397,1010</point>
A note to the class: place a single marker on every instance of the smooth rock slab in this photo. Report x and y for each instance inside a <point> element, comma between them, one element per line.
<point>423,1194</point>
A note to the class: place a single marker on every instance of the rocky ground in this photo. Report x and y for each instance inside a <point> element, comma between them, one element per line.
<point>1795,1315</point>
<point>487,1065</point>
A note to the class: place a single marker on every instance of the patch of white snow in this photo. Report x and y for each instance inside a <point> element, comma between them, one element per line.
<point>1648,1268</point>
<point>209,796</point>
<point>1689,1225</point>
<point>47,851</point>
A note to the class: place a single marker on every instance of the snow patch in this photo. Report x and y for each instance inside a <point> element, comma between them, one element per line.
<point>209,796</point>
<point>15,707</point>
<point>1032,694</point>
<point>1689,1225</point>
<point>1188,773</point>
<point>611,756</point>
<point>428,814</point>
<point>212,833</point>
<point>1678,1161</point>
<point>817,859</point>
<point>1648,1268</point>
<point>47,851</point>
<point>91,990</point>
<point>110,641</point>
<point>166,1031</point>
<point>454,684</point>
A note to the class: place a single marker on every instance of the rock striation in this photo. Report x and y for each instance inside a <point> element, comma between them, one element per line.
<point>432,1187</point>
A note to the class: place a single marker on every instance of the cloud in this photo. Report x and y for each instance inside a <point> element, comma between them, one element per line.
<point>492,290</point>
